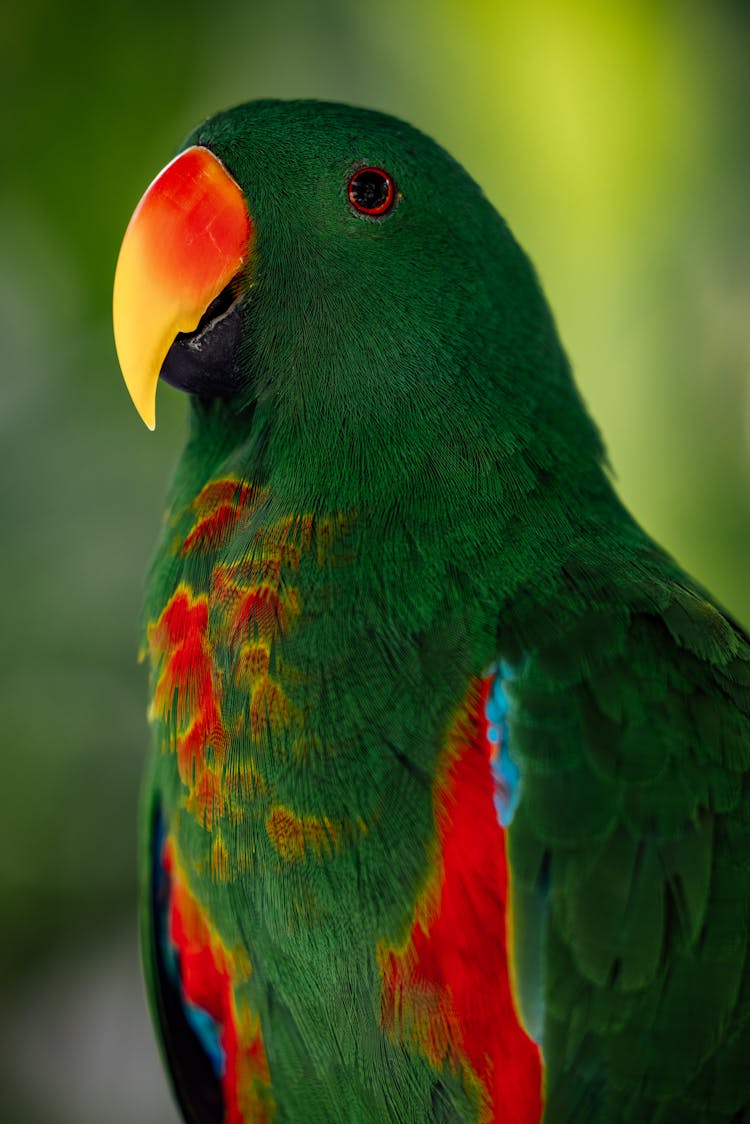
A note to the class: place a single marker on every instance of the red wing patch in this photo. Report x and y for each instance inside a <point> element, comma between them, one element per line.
<point>447,991</point>
<point>208,977</point>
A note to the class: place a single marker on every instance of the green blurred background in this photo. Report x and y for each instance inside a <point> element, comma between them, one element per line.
<point>613,137</point>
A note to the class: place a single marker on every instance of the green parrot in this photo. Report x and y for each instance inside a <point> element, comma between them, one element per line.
<point>446,818</point>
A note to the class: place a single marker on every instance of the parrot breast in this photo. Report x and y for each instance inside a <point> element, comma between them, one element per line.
<point>240,850</point>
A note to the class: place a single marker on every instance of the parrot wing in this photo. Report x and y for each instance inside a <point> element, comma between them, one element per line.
<point>628,853</point>
<point>190,1035</point>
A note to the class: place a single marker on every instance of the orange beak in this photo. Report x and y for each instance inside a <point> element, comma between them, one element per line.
<point>188,237</point>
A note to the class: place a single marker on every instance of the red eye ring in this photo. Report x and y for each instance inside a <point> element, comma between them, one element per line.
<point>371,191</point>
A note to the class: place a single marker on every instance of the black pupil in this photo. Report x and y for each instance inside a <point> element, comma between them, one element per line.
<point>369,190</point>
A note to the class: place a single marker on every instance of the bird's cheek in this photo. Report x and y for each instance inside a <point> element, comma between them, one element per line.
<point>189,236</point>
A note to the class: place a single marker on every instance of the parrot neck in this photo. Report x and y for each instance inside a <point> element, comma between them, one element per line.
<point>425,582</point>
<point>459,548</point>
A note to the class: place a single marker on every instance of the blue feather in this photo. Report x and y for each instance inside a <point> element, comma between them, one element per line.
<point>504,768</point>
<point>205,1027</point>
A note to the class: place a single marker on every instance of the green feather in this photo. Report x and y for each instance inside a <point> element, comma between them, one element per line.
<point>425,496</point>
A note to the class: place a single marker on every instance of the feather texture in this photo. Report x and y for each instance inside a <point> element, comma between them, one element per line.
<point>390,884</point>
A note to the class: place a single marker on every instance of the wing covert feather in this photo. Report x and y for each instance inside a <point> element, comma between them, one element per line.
<point>633,823</point>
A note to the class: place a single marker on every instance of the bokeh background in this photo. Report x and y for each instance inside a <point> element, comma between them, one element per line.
<point>613,137</point>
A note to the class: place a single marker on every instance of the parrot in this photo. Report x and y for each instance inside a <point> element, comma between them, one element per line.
<point>445,817</point>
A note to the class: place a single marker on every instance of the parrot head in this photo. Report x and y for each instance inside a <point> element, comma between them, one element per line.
<point>334,291</point>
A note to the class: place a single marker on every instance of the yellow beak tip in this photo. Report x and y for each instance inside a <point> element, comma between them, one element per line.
<point>148,417</point>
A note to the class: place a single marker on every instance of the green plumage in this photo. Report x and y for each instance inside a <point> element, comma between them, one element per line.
<point>430,497</point>
<point>634,813</point>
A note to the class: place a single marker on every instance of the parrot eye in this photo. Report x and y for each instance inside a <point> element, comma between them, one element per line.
<point>371,191</point>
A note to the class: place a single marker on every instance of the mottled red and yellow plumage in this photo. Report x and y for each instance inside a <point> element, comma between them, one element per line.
<point>443,991</point>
